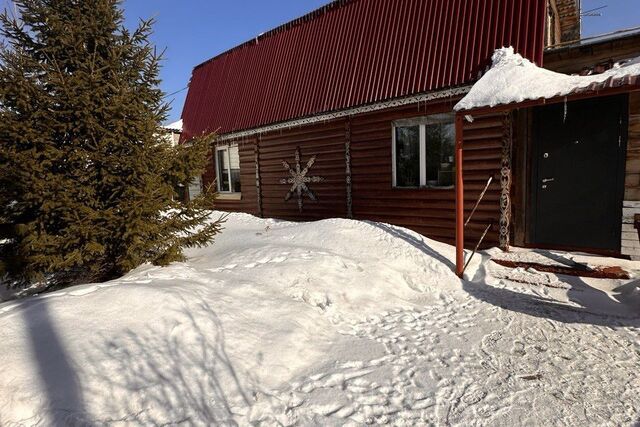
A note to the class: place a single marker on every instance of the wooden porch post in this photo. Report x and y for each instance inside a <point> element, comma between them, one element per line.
<point>459,196</point>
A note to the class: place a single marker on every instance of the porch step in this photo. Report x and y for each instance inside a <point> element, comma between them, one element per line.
<point>574,269</point>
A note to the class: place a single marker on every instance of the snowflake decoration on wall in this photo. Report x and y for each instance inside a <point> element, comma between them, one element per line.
<point>299,179</point>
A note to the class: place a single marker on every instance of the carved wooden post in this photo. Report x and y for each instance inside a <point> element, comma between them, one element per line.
<point>258,189</point>
<point>505,185</point>
<point>347,157</point>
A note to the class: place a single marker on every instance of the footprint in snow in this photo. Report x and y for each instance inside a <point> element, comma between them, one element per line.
<point>474,397</point>
<point>490,341</point>
<point>219,269</point>
<point>518,348</point>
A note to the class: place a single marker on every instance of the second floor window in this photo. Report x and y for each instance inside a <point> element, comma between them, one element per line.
<point>228,169</point>
<point>423,152</point>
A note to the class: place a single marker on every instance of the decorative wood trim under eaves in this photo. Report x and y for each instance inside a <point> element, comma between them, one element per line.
<point>413,99</point>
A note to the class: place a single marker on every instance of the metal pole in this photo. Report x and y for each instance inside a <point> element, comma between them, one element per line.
<point>486,187</point>
<point>486,230</point>
<point>459,197</point>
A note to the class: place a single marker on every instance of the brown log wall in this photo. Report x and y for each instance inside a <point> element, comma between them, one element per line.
<point>430,212</point>
<point>575,59</point>
<point>326,142</point>
<point>630,243</point>
<point>632,177</point>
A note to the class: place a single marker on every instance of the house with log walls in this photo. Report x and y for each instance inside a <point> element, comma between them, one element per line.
<point>348,112</point>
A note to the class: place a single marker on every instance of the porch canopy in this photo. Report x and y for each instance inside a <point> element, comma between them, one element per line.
<point>514,82</point>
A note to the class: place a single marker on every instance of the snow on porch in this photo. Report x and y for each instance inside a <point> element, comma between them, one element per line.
<point>567,263</point>
<point>572,278</point>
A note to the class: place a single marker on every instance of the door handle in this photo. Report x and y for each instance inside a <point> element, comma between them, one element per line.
<point>545,180</point>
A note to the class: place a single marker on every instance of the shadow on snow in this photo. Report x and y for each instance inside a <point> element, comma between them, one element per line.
<point>175,372</point>
<point>63,399</point>
<point>597,308</point>
<point>592,300</point>
<point>416,242</point>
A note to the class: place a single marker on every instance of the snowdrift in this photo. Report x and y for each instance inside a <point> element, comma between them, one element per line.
<point>336,322</point>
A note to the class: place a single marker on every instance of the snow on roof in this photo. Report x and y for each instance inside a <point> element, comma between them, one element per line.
<point>514,79</point>
<point>175,126</point>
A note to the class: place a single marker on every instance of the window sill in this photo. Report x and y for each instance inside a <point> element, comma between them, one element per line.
<point>450,187</point>
<point>229,196</point>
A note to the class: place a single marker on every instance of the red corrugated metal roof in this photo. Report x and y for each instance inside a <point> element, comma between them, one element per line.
<point>356,52</point>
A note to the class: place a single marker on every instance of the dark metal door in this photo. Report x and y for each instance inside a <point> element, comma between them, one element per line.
<point>578,174</point>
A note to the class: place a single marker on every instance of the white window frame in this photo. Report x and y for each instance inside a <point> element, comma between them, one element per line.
<point>226,149</point>
<point>422,122</point>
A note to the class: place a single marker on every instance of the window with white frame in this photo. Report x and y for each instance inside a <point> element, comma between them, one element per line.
<point>423,152</point>
<point>228,169</point>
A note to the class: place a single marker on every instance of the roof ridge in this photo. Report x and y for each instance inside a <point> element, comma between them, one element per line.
<point>310,16</point>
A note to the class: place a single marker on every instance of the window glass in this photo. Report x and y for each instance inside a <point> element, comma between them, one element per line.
<point>234,159</point>
<point>228,169</point>
<point>440,154</point>
<point>222,164</point>
<point>424,151</point>
<point>195,187</point>
<point>408,156</point>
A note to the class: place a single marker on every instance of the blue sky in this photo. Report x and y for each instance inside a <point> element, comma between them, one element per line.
<point>193,31</point>
<point>617,15</point>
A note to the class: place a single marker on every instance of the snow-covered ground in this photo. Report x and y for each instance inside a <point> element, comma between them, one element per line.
<point>327,323</point>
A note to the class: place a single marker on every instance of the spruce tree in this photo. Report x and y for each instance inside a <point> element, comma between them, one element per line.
<point>87,177</point>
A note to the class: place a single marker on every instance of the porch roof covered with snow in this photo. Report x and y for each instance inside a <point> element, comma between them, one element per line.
<point>515,82</point>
